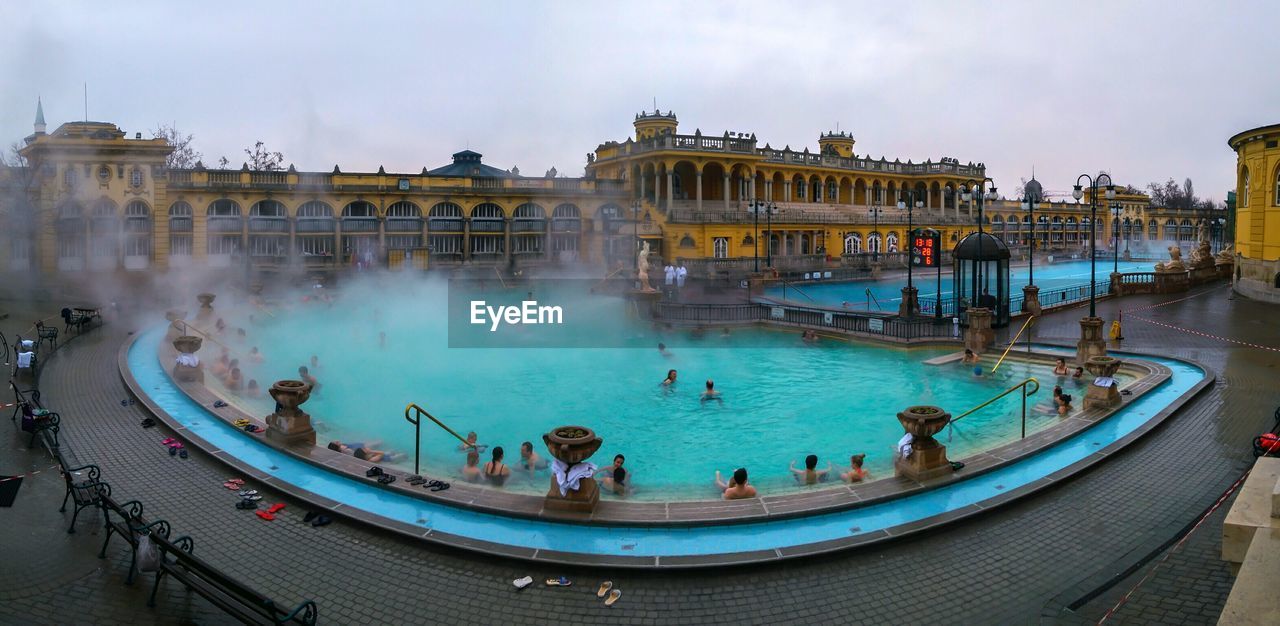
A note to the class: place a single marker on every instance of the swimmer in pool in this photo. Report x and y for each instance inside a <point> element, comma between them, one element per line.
<point>471,444</point>
<point>471,471</point>
<point>856,473</point>
<point>969,357</point>
<point>810,475</point>
<point>662,349</point>
<point>529,459</point>
<point>1061,368</point>
<point>670,380</point>
<point>711,393</point>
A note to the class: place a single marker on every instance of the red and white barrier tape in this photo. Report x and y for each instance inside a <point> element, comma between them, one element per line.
<point>31,473</point>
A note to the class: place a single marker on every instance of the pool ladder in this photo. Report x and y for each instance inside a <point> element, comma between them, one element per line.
<point>1025,392</point>
<point>413,414</point>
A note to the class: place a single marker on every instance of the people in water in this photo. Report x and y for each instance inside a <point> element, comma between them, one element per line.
<point>1061,368</point>
<point>495,471</point>
<point>305,376</point>
<point>363,451</point>
<point>471,471</point>
<point>220,326</point>
<point>670,380</point>
<point>810,475</point>
<point>471,444</point>
<point>970,357</point>
<point>234,381</point>
<point>252,390</point>
<point>254,355</point>
<point>315,362</point>
<point>809,337</point>
<point>606,473</point>
<point>617,481</point>
<point>1061,400</point>
<point>221,366</point>
<point>529,459</point>
<point>711,393</point>
<point>662,349</point>
<point>855,474</point>
<point>1078,376</point>
<point>737,487</point>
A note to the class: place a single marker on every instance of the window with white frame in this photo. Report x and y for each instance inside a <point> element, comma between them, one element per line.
<point>852,244</point>
<point>720,247</point>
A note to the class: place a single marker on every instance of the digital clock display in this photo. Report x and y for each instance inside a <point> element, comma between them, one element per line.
<point>925,247</point>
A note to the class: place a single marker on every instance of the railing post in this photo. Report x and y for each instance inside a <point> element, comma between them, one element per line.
<point>1024,411</point>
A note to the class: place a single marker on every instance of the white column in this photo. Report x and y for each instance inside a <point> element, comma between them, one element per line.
<point>726,191</point>
<point>699,190</point>
<point>786,190</point>
<point>671,192</point>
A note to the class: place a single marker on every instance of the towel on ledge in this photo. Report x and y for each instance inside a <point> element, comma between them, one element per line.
<point>189,360</point>
<point>904,445</point>
<point>569,477</point>
<point>25,359</point>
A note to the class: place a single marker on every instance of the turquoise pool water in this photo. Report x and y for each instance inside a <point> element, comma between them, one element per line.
<point>646,541</point>
<point>888,292</point>
<point>782,399</point>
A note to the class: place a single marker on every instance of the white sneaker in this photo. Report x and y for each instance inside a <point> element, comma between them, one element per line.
<point>521,583</point>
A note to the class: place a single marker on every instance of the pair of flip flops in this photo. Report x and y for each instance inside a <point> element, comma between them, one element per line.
<point>127,402</point>
<point>253,428</point>
<point>316,520</point>
<point>247,505</point>
<point>415,480</point>
<point>386,479</point>
<point>234,483</point>
<point>218,404</point>
<point>148,423</point>
<point>607,592</point>
<point>240,423</point>
<point>271,511</point>
<point>374,471</point>
<point>178,450</point>
<point>436,485</point>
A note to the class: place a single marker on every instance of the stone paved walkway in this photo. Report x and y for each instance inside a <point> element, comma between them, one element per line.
<point>1022,563</point>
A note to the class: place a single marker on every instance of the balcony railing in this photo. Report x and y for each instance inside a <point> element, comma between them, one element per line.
<point>359,225</point>
<point>487,226</point>
<point>437,225</point>
<point>410,225</point>
<point>223,224</point>
<point>528,226</point>
<point>315,225</point>
<point>268,225</point>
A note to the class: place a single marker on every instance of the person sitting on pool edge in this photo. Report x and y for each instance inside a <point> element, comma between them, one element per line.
<point>495,471</point>
<point>711,393</point>
<point>1061,368</point>
<point>737,487</point>
<point>529,459</point>
<point>471,471</point>
<point>670,379</point>
<point>855,473</point>
<point>810,474</point>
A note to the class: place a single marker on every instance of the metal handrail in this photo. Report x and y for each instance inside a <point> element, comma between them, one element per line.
<point>417,431</point>
<point>871,297</point>
<point>1011,343</point>
<point>1022,385</point>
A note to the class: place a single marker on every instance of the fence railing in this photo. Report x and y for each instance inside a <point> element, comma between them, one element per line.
<point>815,317</point>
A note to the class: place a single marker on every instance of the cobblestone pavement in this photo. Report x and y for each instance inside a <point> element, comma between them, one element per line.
<point>1026,562</point>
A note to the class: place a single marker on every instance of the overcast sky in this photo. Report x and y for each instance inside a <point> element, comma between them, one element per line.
<point>1137,88</point>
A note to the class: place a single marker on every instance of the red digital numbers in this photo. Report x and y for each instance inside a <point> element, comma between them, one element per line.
<point>924,250</point>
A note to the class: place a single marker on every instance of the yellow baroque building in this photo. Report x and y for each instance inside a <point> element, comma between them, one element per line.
<point>91,199</point>
<point>1257,223</point>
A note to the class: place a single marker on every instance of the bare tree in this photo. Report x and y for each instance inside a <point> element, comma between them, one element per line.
<point>261,159</point>
<point>184,156</point>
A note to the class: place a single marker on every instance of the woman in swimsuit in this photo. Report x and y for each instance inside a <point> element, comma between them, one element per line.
<point>496,471</point>
<point>855,474</point>
<point>1061,368</point>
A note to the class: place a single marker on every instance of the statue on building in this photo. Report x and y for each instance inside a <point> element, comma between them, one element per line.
<point>551,173</point>
<point>642,268</point>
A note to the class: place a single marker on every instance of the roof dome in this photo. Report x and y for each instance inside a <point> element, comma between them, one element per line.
<point>1033,190</point>
<point>993,249</point>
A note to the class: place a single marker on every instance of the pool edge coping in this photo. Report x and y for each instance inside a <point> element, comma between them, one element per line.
<point>672,562</point>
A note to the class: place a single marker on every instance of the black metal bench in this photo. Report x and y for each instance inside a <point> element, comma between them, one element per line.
<point>126,520</point>
<point>225,592</point>
<point>27,404</point>
<point>84,488</point>
<point>47,333</point>
<point>74,320</point>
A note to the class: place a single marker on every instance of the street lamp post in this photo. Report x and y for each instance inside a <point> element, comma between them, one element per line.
<point>768,216</point>
<point>910,304</point>
<point>969,190</point>
<point>1115,239</point>
<point>1091,343</point>
<point>1032,194</point>
<point>875,230</point>
<point>635,235</point>
<point>755,238</point>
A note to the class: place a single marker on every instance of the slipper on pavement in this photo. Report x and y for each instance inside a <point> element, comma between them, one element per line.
<point>604,588</point>
<point>266,515</point>
<point>246,505</point>
<point>230,485</point>
<point>613,597</point>
<point>559,582</point>
<point>275,508</point>
<point>521,583</point>
<point>182,453</point>
<point>173,451</point>
<point>238,481</point>
<point>320,521</point>
<point>309,516</point>
<point>440,486</point>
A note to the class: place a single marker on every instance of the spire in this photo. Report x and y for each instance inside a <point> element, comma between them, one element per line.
<point>39,125</point>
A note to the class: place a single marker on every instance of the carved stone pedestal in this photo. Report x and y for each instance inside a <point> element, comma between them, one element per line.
<point>183,370</point>
<point>910,305</point>
<point>979,336</point>
<point>289,425</point>
<point>572,445</point>
<point>1091,343</point>
<point>928,457</point>
<point>206,306</point>
<point>1031,300</point>
<point>1105,396</point>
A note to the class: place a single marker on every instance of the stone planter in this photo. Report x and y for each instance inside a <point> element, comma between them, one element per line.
<point>572,445</point>
<point>289,425</point>
<point>206,300</point>
<point>1091,343</point>
<point>1102,396</point>
<point>910,305</point>
<point>979,336</point>
<point>187,345</point>
<point>928,457</point>
<point>1031,300</point>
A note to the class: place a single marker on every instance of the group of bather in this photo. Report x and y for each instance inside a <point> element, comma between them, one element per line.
<point>1063,373</point>
<point>615,478</point>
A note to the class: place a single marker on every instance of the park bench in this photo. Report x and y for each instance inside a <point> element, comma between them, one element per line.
<point>84,490</point>
<point>35,418</point>
<point>223,591</point>
<point>75,320</point>
<point>47,333</point>
<point>125,519</point>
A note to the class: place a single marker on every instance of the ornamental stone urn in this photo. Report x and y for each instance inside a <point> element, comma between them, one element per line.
<point>572,445</point>
<point>289,425</point>
<point>176,324</point>
<point>1091,343</point>
<point>187,368</point>
<point>928,457</point>
<point>206,305</point>
<point>1107,394</point>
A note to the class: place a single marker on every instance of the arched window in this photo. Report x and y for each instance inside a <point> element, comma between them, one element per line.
<point>1275,199</point>
<point>104,239</point>
<point>69,177</point>
<point>137,235</point>
<point>315,217</point>
<point>688,242</point>
<point>268,229</point>
<point>720,247</point>
<point>852,244</point>
<point>891,242</point>
<point>748,241</point>
<point>404,226</point>
<point>873,243</point>
<point>223,226</point>
<point>445,225</point>
<point>1244,186</point>
<point>180,227</point>
<point>487,227</point>
<point>359,231</point>
<point>70,230</point>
